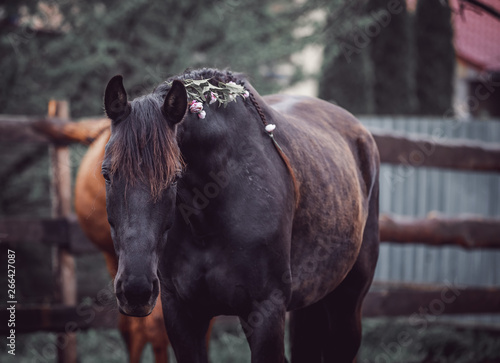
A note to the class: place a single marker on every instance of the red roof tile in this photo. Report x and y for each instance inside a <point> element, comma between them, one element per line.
<point>477,35</point>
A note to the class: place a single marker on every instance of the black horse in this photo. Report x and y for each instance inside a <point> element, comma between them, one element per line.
<point>231,217</point>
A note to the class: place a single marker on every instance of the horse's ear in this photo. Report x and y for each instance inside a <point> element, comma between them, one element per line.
<point>115,99</point>
<point>175,105</point>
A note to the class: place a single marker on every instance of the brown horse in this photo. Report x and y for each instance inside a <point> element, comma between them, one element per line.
<point>90,206</point>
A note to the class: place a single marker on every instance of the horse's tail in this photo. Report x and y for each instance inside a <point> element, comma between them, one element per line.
<point>369,159</point>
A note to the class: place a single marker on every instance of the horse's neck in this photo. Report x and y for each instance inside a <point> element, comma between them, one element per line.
<point>226,160</point>
<point>223,138</point>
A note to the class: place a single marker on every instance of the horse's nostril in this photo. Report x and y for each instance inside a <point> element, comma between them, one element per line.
<point>137,290</point>
<point>119,287</point>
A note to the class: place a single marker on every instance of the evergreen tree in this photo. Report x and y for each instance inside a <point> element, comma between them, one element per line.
<point>345,75</point>
<point>145,41</point>
<point>346,83</point>
<point>435,61</point>
<point>390,51</point>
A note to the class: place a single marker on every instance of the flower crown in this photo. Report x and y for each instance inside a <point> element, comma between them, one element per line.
<point>200,91</point>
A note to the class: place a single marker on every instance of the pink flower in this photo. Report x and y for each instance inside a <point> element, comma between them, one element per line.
<point>196,107</point>
<point>213,98</point>
<point>202,114</point>
<point>246,94</point>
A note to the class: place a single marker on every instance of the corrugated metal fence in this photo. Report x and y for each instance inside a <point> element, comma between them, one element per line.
<point>417,191</point>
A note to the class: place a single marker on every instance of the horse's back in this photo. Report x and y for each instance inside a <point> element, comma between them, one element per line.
<point>316,129</point>
<point>335,160</point>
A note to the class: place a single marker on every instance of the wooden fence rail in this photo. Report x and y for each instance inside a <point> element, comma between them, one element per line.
<point>50,130</point>
<point>408,299</point>
<point>62,232</point>
<point>468,232</point>
<point>58,318</point>
<point>435,152</point>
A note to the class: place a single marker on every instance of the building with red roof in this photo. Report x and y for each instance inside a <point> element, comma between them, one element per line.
<point>477,35</point>
<point>477,48</point>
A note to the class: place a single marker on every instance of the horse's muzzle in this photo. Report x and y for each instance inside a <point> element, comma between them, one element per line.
<point>136,296</point>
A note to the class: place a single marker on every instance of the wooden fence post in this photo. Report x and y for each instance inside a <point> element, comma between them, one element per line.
<point>63,261</point>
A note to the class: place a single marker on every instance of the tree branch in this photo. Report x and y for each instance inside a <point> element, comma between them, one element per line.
<point>467,232</point>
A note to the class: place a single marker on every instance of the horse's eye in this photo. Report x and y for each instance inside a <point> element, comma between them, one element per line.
<point>106,177</point>
<point>176,179</point>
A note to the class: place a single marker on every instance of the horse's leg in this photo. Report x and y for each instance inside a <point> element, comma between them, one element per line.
<point>308,329</point>
<point>343,337</point>
<point>157,333</point>
<point>137,332</point>
<point>344,304</point>
<point>136,347</point>
<point>124,327</point>
<point>265,331</point>
<point>186,331</point>
<point>134,337</point>
<point>160,344</point>
<point>161,353</point>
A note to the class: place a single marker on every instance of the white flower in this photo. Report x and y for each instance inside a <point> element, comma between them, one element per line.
<point>270,128</point>
<point>231,83</point>
<point>246,94</point>
<point>196,107</point>
<point>232,97</point>
<point>213,98</point>
<point>202,114</point>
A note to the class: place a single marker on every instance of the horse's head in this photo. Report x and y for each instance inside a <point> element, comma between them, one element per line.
<point>140,166</point>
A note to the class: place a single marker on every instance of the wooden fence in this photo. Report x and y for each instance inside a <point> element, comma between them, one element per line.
<point>63,233</point>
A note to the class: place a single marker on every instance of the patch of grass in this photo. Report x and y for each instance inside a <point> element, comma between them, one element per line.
<point>229,346</point>
<point>395,340</point>
<point>101,346</point>
<point>30,348</point>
